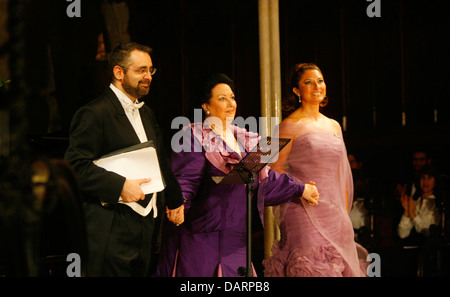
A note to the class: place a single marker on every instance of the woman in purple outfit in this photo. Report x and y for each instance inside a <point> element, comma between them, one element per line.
<point>315,240</point>
<point>212,239</point>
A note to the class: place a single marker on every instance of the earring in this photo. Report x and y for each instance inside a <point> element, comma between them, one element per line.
<point>207,112</point>
<point>299,99</point>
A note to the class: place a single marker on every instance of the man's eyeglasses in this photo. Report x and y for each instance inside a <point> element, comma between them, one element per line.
<point>143,71</point>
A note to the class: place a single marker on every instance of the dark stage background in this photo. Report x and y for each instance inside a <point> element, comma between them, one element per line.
<point>375,69</point>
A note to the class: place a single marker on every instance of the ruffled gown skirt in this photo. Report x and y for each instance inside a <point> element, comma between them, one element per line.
<point>304,252</point>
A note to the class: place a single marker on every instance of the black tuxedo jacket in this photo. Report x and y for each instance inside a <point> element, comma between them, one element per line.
<point>98,128</point>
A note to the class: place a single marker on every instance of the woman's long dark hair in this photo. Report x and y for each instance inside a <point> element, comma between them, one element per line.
<point>429,170</point>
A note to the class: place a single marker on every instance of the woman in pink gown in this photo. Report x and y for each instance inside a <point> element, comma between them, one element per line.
<point>316,240</point>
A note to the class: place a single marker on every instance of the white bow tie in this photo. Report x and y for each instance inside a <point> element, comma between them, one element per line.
<point>133,106</point>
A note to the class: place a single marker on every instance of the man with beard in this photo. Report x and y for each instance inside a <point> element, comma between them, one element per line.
<point>120,238</point>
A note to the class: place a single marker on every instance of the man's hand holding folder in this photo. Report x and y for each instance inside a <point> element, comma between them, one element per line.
<point>132,191</point>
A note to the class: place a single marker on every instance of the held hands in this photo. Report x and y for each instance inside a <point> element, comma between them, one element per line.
<point>131,191</point>
<point>176,215</point>
<point>311,194</point>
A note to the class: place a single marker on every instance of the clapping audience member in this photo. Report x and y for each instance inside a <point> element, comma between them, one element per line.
<point>422,213</point>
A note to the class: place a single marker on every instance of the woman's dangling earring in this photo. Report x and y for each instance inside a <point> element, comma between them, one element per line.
<point>299,99</point>
<point>207,112</point>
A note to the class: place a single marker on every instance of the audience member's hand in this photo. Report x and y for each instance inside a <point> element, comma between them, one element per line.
<point>412,207</point>
<point>408,205</point>
<point>400,190</point>
<point>176,215</point>
<point>131,191</point>
<point>404,199</point>
<point>311,194</point>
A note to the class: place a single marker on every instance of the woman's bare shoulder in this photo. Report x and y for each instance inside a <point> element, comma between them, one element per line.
<point>333,124</point>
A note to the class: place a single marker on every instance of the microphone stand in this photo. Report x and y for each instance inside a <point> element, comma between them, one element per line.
<point>249,178</point>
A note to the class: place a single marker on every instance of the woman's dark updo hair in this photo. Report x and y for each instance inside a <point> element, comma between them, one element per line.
<point>202,93</point>
<point>290,100</point>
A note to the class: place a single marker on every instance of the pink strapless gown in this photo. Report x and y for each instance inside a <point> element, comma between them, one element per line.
<point>317,240</point>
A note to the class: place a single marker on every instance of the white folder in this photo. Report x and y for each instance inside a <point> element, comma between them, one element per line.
<point>136,162</point>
